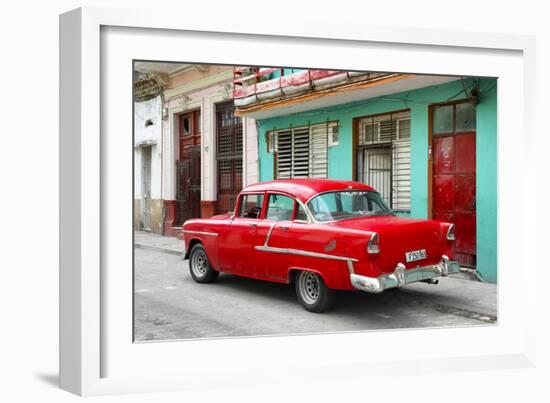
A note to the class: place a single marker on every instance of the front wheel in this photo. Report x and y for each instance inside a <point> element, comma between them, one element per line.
<point>199,266</point>
<point>312,292</point>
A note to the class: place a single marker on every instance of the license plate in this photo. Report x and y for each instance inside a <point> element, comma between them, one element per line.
<point>415,255</point>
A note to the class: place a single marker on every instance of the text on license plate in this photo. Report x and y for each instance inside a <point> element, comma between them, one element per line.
<point>415,255</point>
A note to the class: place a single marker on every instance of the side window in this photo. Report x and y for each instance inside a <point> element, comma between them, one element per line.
<point>251,206</point>
<point>300,213</point>
<point>279,208</point>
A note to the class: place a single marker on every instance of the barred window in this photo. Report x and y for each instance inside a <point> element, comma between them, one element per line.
<point>302,152</point>
<point>384,157</point>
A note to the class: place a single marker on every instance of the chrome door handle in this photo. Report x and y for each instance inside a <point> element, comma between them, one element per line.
<point>285,228</point>
<point>253,224</point>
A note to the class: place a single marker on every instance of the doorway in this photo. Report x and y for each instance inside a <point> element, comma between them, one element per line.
<point>453,132</point>
<point>145,204</point>
<point>188,168</point>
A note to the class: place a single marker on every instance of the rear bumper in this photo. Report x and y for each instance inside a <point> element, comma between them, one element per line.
<point>401,276</point>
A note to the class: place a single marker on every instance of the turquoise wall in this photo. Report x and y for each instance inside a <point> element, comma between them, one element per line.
<point>486,182</point>
<point>418,101</point>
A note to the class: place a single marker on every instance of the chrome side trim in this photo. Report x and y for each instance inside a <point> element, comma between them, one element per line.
<point>269,233</point>
<point>200,233</point>
<point>401,276</point>
<point>300,252</point>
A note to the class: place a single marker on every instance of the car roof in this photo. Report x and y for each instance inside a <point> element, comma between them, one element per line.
<point>305,189</point>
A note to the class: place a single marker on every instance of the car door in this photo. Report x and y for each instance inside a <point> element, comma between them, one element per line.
<point>271,259</point>
<point>238,243</point>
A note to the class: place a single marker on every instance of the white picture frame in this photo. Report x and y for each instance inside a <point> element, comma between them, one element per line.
<point>97,355</point>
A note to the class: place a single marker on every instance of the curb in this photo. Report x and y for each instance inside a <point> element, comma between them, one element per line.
<point>159,249</point>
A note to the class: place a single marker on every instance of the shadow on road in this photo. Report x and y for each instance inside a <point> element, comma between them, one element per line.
<point>358,304</point>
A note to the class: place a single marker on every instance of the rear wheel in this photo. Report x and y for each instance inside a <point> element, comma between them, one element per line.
<point>312,292</point>
<point>199,266</point>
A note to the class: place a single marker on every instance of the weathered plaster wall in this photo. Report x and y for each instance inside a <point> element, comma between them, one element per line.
<point>194,75</point>
<point>250,155</point>
<point>156,218</point>
<point>148,136</point>
<point>155,215</point>
<point>418,101</point>
<point>144,110</point>
<point>137,215</point>
<point>193,90</point>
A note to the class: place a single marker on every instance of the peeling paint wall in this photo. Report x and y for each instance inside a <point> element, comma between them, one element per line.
<point>156,212</point>
<point>204,100</point>
<point>190,91</point>
<point>148,135</point>
<point>250,154</point>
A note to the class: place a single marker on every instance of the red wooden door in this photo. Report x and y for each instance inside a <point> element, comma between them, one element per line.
<point>188,168</point>
<point>454,176</point>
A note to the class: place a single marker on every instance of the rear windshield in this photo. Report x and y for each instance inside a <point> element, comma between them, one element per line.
<point>347,204</point>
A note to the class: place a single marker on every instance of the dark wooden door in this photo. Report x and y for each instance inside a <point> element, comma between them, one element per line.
<point>188,168</point>
<point>229,156</point>
<point>454,175</point>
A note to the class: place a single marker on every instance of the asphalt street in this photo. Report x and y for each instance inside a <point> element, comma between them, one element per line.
<point>170,305</point>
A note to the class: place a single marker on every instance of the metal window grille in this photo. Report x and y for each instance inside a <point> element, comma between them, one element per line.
<point>229,156</point>
<point>384,157</point>
<point>302,152</point>
<point>375,164</point>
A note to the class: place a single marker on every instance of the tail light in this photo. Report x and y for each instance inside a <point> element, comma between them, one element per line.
<point>374,244</point>
<point>451,233</point>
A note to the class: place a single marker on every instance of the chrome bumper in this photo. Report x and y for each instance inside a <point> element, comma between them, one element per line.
<point>401,276</point>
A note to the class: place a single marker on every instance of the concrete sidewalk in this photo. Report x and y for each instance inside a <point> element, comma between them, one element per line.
<point>159,243</point>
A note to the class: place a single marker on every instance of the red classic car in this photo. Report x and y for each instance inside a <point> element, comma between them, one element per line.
<point>321,235</point>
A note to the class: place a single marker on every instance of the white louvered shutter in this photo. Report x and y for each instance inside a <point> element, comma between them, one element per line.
<point>302,152</point>
<point>401,175</point>
<point>284,154</point>
<point>318,164</point>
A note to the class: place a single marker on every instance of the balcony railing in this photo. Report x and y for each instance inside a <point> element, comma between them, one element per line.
<point>255,85</point>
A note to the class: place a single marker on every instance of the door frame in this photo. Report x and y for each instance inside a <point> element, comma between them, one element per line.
<point>431,159</point>
<point>144,204</point>
<point>430,145</point>
<point>197,140</point>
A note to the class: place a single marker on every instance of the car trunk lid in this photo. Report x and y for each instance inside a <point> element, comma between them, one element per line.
<point>399,236</point>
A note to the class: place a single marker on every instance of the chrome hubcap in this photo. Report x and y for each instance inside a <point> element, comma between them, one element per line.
<point>309,287</point>
<point>199,264</point>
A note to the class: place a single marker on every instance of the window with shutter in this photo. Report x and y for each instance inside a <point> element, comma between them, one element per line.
<point>302,152</point>
<point>384,157</point>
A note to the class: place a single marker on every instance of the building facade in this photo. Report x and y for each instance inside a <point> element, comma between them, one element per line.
<point>147,154</point>
<point>427,143</point>
<point>207,152</point>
